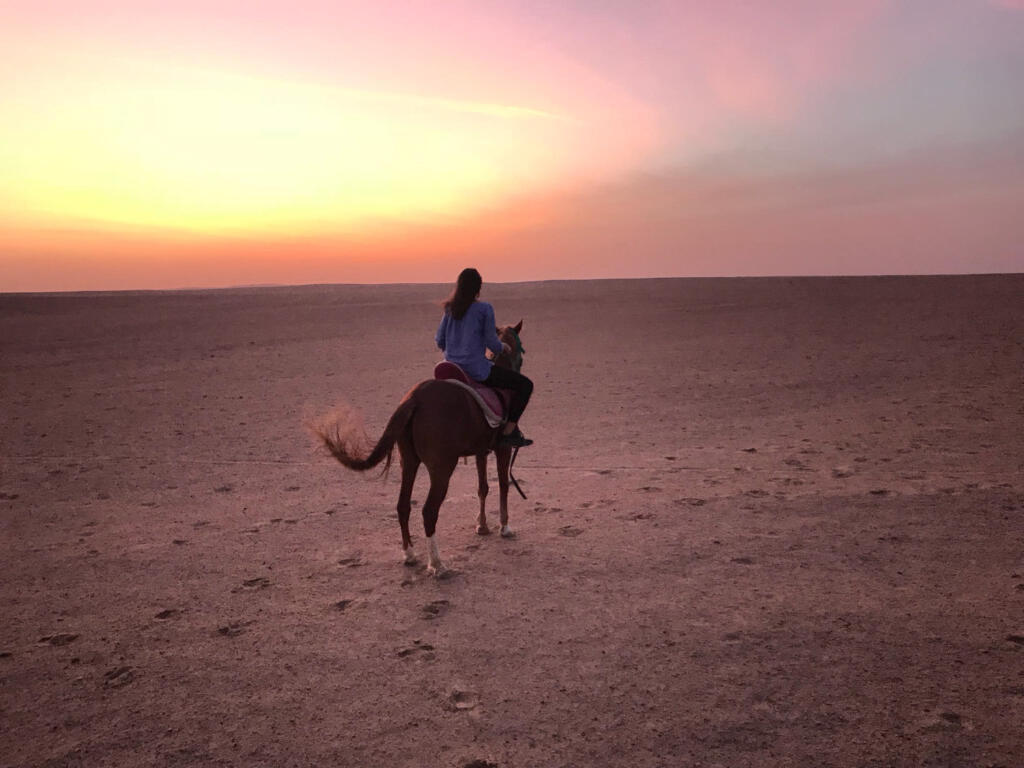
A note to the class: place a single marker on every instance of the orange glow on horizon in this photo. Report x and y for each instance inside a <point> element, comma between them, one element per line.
<point>146,143</point>
<point>212,153</point>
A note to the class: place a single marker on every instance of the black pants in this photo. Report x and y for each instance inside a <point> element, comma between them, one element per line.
<point>522,388</point>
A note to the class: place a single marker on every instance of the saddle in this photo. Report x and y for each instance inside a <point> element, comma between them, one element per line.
<point>493,402</point>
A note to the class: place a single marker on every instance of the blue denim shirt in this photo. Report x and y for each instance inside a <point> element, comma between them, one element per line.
<point>463,341</point>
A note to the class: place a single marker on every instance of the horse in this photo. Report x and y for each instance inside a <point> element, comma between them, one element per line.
<point>435,424</point>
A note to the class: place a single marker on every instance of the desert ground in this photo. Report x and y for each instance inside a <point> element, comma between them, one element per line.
<point>770,522</point>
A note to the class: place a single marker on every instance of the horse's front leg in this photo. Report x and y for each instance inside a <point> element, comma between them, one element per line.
<point>504,457</point>
<point>481,472</point>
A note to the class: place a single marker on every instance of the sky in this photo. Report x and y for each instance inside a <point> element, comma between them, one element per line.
<point>208,143</point>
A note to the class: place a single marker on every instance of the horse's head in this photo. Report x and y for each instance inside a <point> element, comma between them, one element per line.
<point>509,334</point>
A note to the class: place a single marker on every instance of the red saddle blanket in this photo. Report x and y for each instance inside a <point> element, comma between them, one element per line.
<point>495,399</point>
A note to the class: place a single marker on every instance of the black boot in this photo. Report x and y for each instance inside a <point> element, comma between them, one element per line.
<point>515,439</point>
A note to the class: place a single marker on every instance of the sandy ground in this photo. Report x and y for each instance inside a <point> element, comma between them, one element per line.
<point>770,523</point>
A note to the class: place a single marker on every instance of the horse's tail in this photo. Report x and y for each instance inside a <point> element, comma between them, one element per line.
<point>346,448</point>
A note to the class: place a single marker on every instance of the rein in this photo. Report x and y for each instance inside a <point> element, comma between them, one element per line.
<point>512,477</point>
<point>515,362</point>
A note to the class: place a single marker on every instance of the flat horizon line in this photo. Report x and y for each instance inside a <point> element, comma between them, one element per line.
<point>298,286</point>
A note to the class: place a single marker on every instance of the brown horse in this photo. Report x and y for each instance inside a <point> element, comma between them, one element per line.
<point>436,424</point>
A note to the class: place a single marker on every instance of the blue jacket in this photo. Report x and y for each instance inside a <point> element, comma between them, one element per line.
<point>463,341</point>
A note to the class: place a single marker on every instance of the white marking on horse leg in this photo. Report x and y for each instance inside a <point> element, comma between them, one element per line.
<point>434,557</point>
<point>409,555</point>
<point>507,532</point>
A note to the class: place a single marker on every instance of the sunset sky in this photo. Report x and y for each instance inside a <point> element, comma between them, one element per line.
<point>213,143</point>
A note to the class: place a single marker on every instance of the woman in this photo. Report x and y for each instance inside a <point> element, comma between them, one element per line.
<point>466,330</point>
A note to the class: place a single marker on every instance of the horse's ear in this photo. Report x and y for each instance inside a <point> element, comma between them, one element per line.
<point>518,326</point>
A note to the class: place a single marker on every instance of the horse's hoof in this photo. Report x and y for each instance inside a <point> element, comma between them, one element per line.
<point>507,532</point>
<point>437,571</point>
<point>483,530</point>
<point>409,557</point>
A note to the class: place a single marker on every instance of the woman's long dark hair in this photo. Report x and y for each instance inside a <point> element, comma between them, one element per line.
<point>467,287</point>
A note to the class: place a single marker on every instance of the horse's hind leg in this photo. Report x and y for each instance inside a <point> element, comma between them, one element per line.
<point>439,477</point>
<point>504,459</point>
<point>481,471</point>
<point>410,463</point>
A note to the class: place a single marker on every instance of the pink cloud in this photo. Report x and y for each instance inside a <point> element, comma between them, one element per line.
<point>763,60</point>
